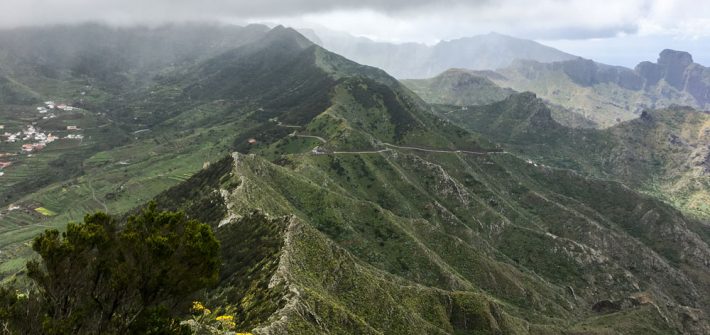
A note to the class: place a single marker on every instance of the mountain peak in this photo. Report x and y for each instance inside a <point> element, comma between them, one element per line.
<point>673,65</point>
<point>674,58</point>
<point>288,35</point>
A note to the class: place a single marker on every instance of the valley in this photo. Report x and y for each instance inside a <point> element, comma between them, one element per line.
<point>346,201</point>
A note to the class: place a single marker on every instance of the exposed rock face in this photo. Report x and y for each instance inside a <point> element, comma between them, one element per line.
<point>678,70</point>
<point>675,67</point>
<point>697,82</point>
<point>674,79</point>
<point>649,71</point>
<point>673,64</point>
<point>581,71</point>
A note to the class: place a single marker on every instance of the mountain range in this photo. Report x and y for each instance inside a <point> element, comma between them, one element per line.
<point>604,95</point>
<point>345,203</point>
<point>594,94</point>
<point>415,60</point>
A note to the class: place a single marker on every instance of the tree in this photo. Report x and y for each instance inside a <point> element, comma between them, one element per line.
<point>102,277</point>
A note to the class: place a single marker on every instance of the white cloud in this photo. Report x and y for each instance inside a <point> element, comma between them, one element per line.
<point>394,20</point>
<point>680,18</point>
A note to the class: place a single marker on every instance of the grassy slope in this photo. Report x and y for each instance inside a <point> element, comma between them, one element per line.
<point>520,248</point>
<point>662,153</point>
<point>422,238</point>
<point>458,87</point>
<point>400,241</point>
<point>463,88</point>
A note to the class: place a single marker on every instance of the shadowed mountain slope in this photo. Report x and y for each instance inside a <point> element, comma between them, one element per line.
<point>344,205</point>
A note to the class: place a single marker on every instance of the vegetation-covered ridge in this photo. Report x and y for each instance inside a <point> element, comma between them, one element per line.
<point>344,205</point>
<point>458,87</point>
<point>664,152</point>
<point>517,247</point>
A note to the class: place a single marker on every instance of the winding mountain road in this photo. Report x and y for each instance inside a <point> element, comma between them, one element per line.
<point>311,136</point>
<point>445,151</point>
<point>361,152</point>
<point>323,140</point>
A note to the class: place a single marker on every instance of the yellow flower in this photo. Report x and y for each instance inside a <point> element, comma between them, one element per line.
<point>227,321</point>
<point>206,311</point>
<point>198,306</point>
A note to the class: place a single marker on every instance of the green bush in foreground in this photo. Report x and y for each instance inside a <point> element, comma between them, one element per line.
<point>106,277</point>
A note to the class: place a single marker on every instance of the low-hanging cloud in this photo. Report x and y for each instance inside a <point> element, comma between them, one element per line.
<point>33,12</point>
<point>392,20</point>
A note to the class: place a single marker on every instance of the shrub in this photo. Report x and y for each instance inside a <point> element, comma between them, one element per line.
<point>102,277</point>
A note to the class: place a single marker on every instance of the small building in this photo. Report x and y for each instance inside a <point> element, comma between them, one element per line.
<point>319,151</point>
<point>30,147</point>
<point>72,128</point>
<point>5,164</point>
<point>252,141</point>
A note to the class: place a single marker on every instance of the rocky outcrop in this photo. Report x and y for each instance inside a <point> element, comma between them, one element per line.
<point>673,65</point>
<point>651,72</point>
<point>673,79</point>
<point>676,68</point>
<point>679,71</point>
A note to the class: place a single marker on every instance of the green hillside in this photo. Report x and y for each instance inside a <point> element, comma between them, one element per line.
<point>664,152</point>
<point>458,87</point>
<point>150,140</point>
<point>14,93</point>
<point>453,243</point>
<point>344,205</point>
<point>463,88</point>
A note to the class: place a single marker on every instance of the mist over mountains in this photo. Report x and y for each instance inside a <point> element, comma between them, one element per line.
<point>608,94</point>
<point>602,94</point>
<point>414,60</point>
<point>480,198</point>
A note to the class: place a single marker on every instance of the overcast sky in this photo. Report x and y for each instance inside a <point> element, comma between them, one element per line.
<point>619,32</point>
